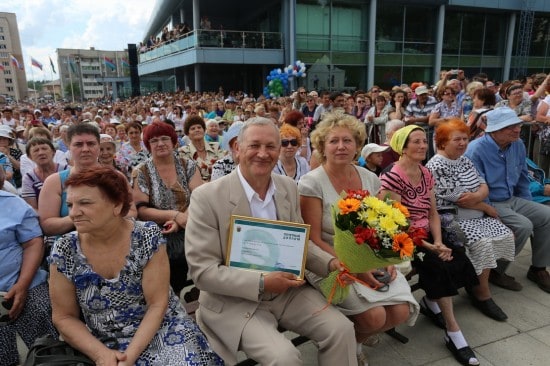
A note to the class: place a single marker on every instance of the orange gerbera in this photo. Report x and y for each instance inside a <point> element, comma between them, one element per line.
<point>348,205</point>
<point>403,244</point>
<point>404,210</point>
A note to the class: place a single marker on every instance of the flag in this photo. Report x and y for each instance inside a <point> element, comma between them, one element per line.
<point>124,62</point>
<point>1,67</point>
<point>71,64</point>
<point>51,64</point>
<point>14,61</point>
<point>109,62</point>
<point>35,63</point>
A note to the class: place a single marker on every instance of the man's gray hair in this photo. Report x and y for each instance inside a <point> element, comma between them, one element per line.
<point>257,121</point>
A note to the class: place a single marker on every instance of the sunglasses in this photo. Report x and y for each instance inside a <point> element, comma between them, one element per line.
<point>375,91</point>
<point>293,142</point>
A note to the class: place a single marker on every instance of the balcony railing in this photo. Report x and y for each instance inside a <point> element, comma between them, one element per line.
<point>214,39</point>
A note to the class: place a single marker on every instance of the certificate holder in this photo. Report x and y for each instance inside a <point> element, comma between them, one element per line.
<point>267,245</point>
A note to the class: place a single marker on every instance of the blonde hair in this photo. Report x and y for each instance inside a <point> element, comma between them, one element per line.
<point>331,121</point>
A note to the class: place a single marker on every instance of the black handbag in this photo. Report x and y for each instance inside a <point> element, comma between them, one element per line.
<point>47,351</point>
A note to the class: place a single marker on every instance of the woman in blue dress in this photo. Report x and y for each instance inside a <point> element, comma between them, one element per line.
<point>114,272</point>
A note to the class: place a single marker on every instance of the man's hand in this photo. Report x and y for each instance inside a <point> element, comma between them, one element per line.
<point>279,282</point>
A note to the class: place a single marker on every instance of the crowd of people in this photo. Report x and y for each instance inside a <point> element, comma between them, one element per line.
<point>119,203</point>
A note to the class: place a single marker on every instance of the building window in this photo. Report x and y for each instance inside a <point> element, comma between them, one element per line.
<point>7,72</point>
<point>1,29</point>
<point>10,88</point>
<point>2,47</point>
<point>2,38</point>
<point>9,81</point>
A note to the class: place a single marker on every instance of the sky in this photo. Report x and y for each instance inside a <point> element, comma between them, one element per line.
<point>45,25</point>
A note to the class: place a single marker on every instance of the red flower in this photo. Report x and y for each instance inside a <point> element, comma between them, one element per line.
<point>360,194</point>
<point>366,235</point>
<point>418,234</point>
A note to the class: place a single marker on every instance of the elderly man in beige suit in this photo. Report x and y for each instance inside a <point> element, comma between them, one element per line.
<point>239,309</point>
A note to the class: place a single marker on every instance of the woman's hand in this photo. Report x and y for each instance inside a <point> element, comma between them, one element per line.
<point>392,271</point>
<point>369,279</point>
<point>468,199</point>
<point>170,227</point>
<point>336,265</point>
<point>109,357</point>
<point>17,295</point>
<point>443,252</point>
<point>181,219</point>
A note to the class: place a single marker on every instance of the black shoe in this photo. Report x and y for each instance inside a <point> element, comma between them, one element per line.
<point>465,355</point>
<point>437,319</point>
<point>490,308</point>
<point>504,281</point>
<point>541,278</point>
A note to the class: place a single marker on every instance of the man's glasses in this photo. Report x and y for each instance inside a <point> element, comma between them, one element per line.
<point>293,142</point>
<point>302,92</point>
<point>375,91</point>
<point>360,101</point>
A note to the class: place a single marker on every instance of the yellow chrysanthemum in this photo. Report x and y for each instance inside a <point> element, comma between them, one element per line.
<point>398,217</point>
<point>348,205</point>
<point>373,203</point>
<point>371,218</point>
<point>388,225</point>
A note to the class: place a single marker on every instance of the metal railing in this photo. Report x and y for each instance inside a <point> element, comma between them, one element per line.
<point>202,38</point>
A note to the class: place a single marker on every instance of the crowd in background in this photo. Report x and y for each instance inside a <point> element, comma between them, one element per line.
<point>167,144</point>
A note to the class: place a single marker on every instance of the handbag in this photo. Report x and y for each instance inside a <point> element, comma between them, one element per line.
<point>451,232</point>
<point>47,351</point>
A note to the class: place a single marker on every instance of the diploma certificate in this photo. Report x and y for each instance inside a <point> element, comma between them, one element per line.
<point>267,245</point>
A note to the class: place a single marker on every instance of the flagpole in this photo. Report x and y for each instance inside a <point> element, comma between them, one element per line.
<point>16,88</point>
<point>34,85</point>
<point>53,86</point>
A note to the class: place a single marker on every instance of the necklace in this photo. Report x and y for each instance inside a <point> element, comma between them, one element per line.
<point>341,182</point>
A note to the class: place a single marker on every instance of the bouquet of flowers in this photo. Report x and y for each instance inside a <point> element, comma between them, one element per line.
<point>369,233</point>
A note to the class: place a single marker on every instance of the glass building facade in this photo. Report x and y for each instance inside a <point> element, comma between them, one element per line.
<point>354,44</point>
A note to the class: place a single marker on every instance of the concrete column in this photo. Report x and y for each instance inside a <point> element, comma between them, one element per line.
<point>198,86</point>
<point>439,42</point>
<point>292,37</point>
<point>196,15</point>
<point>115,90</point>
<point>509,47</point>
<point>372,43</point>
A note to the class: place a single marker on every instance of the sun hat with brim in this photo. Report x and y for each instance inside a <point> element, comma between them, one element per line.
<point>372,148</point>
<point>421,90</point>
<point>5,131</point>
<point>230,134</point>
<point>400,136</point>
<point>500,118</point>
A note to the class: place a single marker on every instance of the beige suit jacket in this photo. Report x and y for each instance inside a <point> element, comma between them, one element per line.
<point>229,296</point>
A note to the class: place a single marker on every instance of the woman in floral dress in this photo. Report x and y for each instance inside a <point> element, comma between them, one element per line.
<point>114,271</point>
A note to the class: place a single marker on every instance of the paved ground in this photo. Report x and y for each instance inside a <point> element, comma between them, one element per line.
<point>522,340</point>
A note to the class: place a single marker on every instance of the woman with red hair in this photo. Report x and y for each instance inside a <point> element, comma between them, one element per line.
<point>296,119</point>
<point>109,288</point>
<point>162,192</point>
<point>459,186</point>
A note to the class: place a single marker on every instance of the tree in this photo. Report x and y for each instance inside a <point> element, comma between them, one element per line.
<point>69,91</point>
